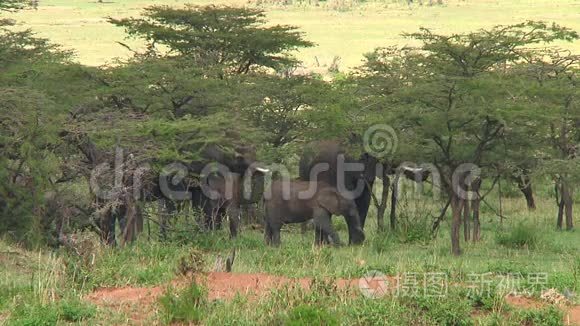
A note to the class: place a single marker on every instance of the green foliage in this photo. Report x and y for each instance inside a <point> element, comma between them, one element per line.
<point>185,306</point>
<point>193,262</point>
<point>13,5</point>
<point>549,316</point>
<point>280,105</point>
<point>23,47</point>
<point>303,315</point>
<point>73,310</point>
<point>452,99</point>
<point>450,310</point>
<point>76,310</point>
<point>520,236</point>
<point>27,136</point>
<point>217,35</point>
<point>380,312</point>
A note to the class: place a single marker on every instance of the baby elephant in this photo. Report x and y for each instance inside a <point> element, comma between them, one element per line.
<point>300,201</point>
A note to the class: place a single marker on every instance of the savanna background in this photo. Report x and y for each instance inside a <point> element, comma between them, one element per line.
<point>66,81</point>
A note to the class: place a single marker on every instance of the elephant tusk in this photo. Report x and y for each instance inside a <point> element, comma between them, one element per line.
<point>263,170</point>
<point>414,170</point>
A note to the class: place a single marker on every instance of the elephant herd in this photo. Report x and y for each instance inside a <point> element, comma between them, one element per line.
<point>330,183</point>
<point>323,189</point>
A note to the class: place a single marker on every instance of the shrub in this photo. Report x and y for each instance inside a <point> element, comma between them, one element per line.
<point>546,317</point>
<point>520,236</point>
<point>380,312</point>
<point>75,310</point>
<point>72,310</point>
<point>414,224</point>
<point>191,263</point>
<point>310,315</point>
<point>34,314</point>
<point>186,306</point>
<point>576,272</point>
<point>452,309</point>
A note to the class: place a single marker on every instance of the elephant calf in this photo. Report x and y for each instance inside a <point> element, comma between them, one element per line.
<point>300,201</point>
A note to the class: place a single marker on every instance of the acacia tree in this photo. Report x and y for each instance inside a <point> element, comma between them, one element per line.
<point>235,38</point>
<point>447,104</point>
<point>204,81</point>
<point>29,121</point>
<point>555,92</point>
<point>13,5</point>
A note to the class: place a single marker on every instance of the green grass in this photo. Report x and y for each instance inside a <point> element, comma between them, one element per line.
<point>81,24</point>
<point>185,306</point>
<point>47,286</point>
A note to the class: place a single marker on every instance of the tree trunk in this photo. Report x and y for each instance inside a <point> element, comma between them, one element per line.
<point>394,199</point>
<point>162,216</point>
<point>567,203</point>
<point>560,203</point>
<point>129,229</point>
<point>525,185</point>
<point>475,208</point>
<point>500,202</point>
<point>560,214</point>
<point>466,221</point>
<point>382,207</point>
<point>456,210</point>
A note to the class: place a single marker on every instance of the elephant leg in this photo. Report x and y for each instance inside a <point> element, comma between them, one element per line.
<point>107,226</point>
<point>355,232</point>
<point>319,236</point>
<point>276,236</point>
<point>234,217</point>
<point>327,233</point>
<point>362,204</point>
<point>268,225</point>
<point>267,234</point>
<point>272,232</point>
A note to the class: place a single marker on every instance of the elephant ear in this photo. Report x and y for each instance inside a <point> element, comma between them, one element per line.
<point>329,200</point>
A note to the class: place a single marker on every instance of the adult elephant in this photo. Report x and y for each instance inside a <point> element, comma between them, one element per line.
<point>299,201</point>
<point>222,187</point>
<point>327,161</point>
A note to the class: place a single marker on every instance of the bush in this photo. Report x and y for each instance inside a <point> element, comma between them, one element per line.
<point>383,242</point>
<point>76,310</point>
<point>453,309</point>
<point>310,315</point>
<point>380,312</point>
<point>72,310</point>
<point>546,317</point>
<point>413,224</point>
<point>186,306</point>
<point>34,314</point>
<point>520,236</point>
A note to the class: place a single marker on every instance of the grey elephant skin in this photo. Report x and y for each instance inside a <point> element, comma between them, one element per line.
<point>299,201</point>
<point>331,154</point>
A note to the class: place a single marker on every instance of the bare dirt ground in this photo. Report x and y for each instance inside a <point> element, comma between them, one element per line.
<point>139,303</point>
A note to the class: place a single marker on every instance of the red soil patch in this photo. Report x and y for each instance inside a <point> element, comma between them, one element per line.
<point>523,302</point>
<point>219,285</point>
<point>125,295</point>
<point>139,302</point>
<point>571,314</point>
